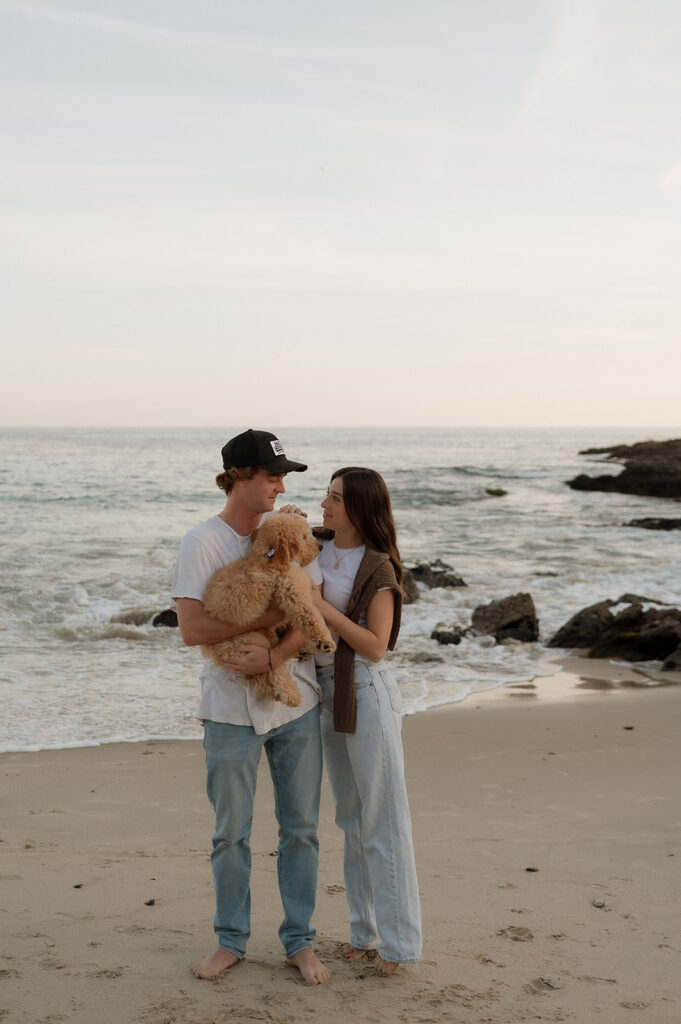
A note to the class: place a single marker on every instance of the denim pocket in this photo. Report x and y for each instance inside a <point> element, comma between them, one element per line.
<point>363,677</point>
<point>393,691</point>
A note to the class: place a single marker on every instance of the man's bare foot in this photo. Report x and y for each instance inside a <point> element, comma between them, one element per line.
<point>312,970</point>
<point>384,967</point>
<point>214,963</point>
<point>350,952</point>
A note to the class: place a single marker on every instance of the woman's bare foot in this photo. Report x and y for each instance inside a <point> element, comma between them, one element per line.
<point>350,952</point>
<point>384,967</point>
<point>312,970</point>
<point>214,963</point>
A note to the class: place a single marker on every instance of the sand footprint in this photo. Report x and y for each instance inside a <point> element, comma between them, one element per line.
<point>517,933</point>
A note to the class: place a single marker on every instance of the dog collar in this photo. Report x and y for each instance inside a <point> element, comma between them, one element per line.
<point>270,553</point>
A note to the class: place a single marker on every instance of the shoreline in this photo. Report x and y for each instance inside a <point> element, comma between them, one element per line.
<point>546,830</point>
<point>574,673</point>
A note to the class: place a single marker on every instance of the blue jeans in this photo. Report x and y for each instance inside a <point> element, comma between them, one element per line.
<point>295,760</point>
<point>366,773</point>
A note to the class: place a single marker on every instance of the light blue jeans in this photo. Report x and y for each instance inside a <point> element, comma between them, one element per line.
<point>295,760</point>
<point>366,773</point>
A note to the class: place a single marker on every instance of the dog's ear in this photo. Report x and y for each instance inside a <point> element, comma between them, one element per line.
<point>288,541</point>
<point>281,546</point>
<point>261,540</point>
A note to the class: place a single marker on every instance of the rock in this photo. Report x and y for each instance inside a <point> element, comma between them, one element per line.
<point>633,634</point>
<point>655,524</point>
<point>636,599</point>
<point>630,619</point>
<point>513,616</point>
<point>435,574</point>
<point>654,641</point>
<point>411,591</point>
<point>425,657</point>
<point>447,634</point>
<point>584,628</point>
<point>650,468</point>
<point>496,492</point>
<point>672,663</point>
<point>165,618</point>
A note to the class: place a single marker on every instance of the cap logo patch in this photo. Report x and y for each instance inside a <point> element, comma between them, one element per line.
<point>277,447</point>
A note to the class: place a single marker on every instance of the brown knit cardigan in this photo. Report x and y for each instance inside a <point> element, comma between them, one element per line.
<point>375,572</point>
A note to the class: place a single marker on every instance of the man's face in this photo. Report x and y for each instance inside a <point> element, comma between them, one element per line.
<point>262,490</point>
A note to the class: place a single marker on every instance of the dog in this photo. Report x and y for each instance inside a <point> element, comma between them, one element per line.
<point>244,589</point>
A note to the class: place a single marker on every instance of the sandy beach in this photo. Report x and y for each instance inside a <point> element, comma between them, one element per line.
<point>546,824</point>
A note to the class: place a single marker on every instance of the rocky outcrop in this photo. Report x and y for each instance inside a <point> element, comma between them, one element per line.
<point>655,524</point>
<point>651,468</point>
<point>165,618</point>
<point>584,628</point>
<point>634,634</point>
<point>511,617</point>
<point>652,636</point>
<point>447,634</point>
<point>434,574</point>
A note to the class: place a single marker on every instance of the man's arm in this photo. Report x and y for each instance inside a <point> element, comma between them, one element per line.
<point>198,627</point>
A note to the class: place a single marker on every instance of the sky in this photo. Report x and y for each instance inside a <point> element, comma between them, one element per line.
<point>374,212</point>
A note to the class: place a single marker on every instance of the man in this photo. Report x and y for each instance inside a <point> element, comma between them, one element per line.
<point>237,724</point>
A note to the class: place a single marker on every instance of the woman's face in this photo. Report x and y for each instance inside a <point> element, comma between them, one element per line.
<point>335,516</point>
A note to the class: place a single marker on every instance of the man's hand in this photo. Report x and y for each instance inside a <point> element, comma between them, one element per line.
<point>252,660</point>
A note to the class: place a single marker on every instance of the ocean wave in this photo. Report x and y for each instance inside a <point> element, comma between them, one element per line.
<point>108,631</point>
<point>433,497</point>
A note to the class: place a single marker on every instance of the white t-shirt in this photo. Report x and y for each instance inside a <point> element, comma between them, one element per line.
<point>225,697</point>
<point>338,583</point>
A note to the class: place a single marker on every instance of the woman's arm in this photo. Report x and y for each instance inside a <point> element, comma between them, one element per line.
<point>372,642</point>
<point>198,627</point>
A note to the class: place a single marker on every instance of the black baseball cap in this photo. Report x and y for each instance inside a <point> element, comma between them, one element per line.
<point>261,449</point>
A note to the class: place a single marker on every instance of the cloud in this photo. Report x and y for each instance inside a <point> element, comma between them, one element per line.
<point>139,31</point>
<point>571,52</point>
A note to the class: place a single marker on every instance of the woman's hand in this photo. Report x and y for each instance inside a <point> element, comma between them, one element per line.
<point>292,510</point>
<point>252,661</point>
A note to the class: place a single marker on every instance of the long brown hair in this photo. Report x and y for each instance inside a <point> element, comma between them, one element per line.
<point>367,504</point>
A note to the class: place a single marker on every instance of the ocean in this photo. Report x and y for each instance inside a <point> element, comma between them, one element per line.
<point>92,519</point>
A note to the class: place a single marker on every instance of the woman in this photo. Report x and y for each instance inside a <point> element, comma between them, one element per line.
<point>361,601</point>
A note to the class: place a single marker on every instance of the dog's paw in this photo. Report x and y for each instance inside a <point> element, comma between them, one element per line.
<point>304,656</point>
<point>323,647</point>
<point>290,699</point>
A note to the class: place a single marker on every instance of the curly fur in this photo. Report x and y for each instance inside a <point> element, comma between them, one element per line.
<point>243,591</point>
